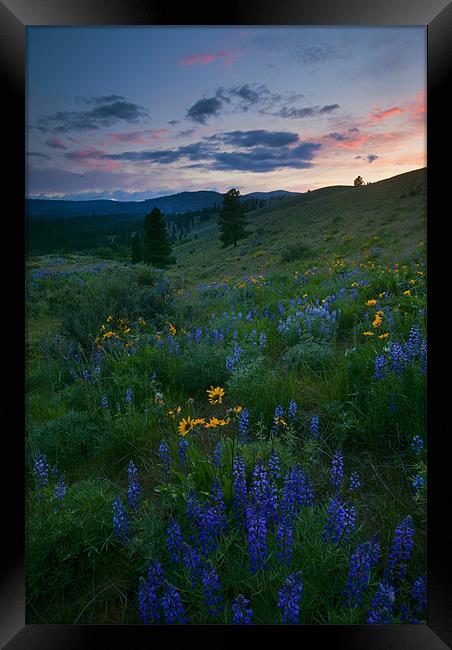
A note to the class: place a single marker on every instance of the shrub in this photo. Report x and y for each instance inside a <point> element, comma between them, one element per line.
<point>297,251</point>
<point>83,305</point>
<point>310,354</point>
<point>66,440</point>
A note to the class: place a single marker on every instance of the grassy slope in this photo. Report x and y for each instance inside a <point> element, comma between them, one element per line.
<point>330,221</point>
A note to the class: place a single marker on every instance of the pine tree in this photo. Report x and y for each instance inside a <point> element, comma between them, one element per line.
<point>156,244</point>
<point>358,182</point>
<point>137,249</point>
<point>232,219</point>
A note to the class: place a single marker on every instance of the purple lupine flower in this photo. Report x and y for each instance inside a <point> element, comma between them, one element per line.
<point>129,396</point>
<point>120,520</point>
<point>240,490</point>
<point>418,483</point>
<point>86,376</point>
<point>411,347</point>
<point>133,490</point>
<point>174,540</point>
<point>244,425</point>
<point>183,451</point>
<point>41,471</point>
<point>288,497</point>
<point>402,545</point>
<point>381,611</point>
<point>419,592</point>
<point>423,356</point>
<point>340,522</point>
<point>355,483</point>
<point>192,561</point>
<point>265,494</point>
<point>165,460</point>
<point>97,371</point>
<point>148,593</point>
<point>292,412</point>
<point>362,561</point>
<point>171,602</point>
<point>304,495</point>
<point>381,367</point>
<point>417,444</point>
<point>212,590</point>
<point>216,497</point>
<point>315,426</point>
<point>104,402</point>
<point>337,470</point>
<point>398,358</point>
<point>284,539</point>
<point>241,611</point>
<point>218,454</point>
<point>207,522</point>
<point>256,528</point>
<point>60,489</point>
<point>262,339</point>
<point>289,599</point>
<point>274,464</point>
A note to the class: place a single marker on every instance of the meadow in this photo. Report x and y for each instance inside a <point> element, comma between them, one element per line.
<point>239,439</point>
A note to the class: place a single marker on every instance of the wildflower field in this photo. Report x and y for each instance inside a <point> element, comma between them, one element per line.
<point>245,450</point>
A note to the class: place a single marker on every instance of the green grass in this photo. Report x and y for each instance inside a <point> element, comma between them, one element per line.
<point>342,245</point>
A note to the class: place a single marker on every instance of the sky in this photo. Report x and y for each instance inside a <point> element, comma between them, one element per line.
<point>130,113</point>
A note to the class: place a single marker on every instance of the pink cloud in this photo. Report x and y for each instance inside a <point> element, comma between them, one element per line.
<point>379,115</point>
<point>227,56</point>
<point>55,143</point>
<point>92,158</point>
<point>137,137</point>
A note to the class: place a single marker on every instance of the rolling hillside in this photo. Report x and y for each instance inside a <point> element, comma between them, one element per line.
<point>384,219</point>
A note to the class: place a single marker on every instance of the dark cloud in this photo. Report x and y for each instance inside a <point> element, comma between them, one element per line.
<point>329,108</point>
<point>244,97</point>
<point>259,137</point>
<point>106,99</point>
<point>185,134</point>
<point>337,136</point>
<point>266,151</point>
<point>354,130</point>
<point>203,109</point>
<point>173,122</point>
<point>266,159</point>
<point>371,157</point>
<point>300,113</point>
<point>36,154</point>
<point>104,114</point>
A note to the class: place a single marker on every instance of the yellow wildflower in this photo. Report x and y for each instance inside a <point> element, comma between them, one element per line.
<point>383,336</point>
<point>215,395</point>
<point>371,303</point>
<point>368,333</point>
<point>407,293</point>
<point>377,321</point>
<point>213,422</point>
<point>171,329</point>
<point>184,426</point>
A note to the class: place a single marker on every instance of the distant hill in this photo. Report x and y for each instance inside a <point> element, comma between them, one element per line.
<point>180,202</point>
<point>385,220</point>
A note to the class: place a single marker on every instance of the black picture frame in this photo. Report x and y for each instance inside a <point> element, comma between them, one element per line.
<point>15,16</point>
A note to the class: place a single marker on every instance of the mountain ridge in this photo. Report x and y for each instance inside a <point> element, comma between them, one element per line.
<point>179,202</point>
